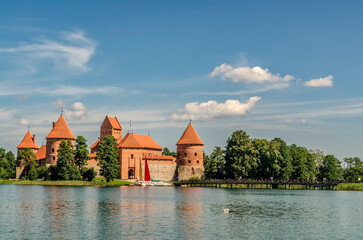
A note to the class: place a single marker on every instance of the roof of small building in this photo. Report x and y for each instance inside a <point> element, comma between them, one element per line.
<point>95,144</point>
<point>28,142</point>
<point>114,122</point>
<point>41,153</point>
<point>138,141</point>
<point>61,130</point>
<point>190,136</point>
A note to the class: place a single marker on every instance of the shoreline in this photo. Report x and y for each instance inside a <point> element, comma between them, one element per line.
<point>120,182</point>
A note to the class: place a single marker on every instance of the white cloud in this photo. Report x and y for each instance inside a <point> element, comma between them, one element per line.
<point>320,82</point>
<point>59,104</point>
<point>77,111</point>
<point>248,74</point>
<point>302,121</point>
<point>74,50</point>
<point>24,122</point>
<point>212,109</point>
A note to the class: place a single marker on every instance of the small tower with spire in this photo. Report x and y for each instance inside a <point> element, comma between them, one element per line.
<point>59,133</point>
<point>27,142</point>
<point>190,154</point>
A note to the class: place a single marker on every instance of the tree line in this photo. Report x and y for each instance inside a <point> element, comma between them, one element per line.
<point>71,163</point>
<point>244,157</point>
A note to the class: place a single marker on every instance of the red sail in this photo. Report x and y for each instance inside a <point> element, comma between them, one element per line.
<point>147,173</point>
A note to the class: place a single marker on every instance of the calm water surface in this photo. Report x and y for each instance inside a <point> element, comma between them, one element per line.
<point>52,212</point>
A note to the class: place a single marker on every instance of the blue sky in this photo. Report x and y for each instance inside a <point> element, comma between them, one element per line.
<point>289,69</point>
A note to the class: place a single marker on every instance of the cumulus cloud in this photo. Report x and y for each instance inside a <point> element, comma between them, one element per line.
<point>73,50</point>
<point>76,112</point>
<point>212,109</point>
<point>248,74</point>
<point>320,82</point>
<point>24,122</point>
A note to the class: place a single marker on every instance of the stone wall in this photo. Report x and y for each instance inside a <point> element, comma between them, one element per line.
<point>19,172</point>
<point>187,172</point>
<point>93,164</point>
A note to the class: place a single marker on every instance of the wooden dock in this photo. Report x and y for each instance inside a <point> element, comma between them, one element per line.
<point>249,183</point>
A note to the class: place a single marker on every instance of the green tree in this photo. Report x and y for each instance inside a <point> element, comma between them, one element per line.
<point>214,164</point>
<point>301,160</point>
<point>167,152</point>
<point>354,169</point>
<point>28,157</point>
<point>286,158</point>
<point>81,153</point>
<point>241,155</point>
<point>66,168</point>
<point>107,156</point>
<point>331,168</point>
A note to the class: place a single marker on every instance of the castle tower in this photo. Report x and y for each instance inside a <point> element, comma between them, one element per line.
<point>190,154</point>
<point>27,142</point>
<point>59,133</point>
<point>110,126</point>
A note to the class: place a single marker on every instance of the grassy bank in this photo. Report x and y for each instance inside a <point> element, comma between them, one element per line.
<point>350,186</point>
<point>99,182</point>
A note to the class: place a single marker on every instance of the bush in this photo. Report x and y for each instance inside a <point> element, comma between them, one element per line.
<point>194,179</point>
<point>32,174</point>
<point>88,174</point>
<point>42,171</point>
<point>51,174</point>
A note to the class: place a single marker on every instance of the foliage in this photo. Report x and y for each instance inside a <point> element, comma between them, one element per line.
<point>81,152</point>
<point>331,168</point>
<point>88,174</point>
<point>66,168</point>
<point>194,179</point>
<point>107,156</point>
<point>241,155</point>
<point>354,170</point>
<point>28,157</point>
<point>42,171</point>
<point>167,152</point>
<point>214,164</point>
<point>7,164</point>
<point>285,163</point>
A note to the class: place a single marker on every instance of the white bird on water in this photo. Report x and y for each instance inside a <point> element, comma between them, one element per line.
<point>226,210</point>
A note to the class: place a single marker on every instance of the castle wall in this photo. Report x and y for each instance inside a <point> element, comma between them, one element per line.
<point>187,172</point>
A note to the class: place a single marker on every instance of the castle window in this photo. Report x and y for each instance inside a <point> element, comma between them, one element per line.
<point>180,161</point>
<point>185,154</point>
<point>53,158</point>
<point>189,161</point>
<point>198,162</point>
<point>195,154</point>
<point>52,149</point>
<point>132,156</point>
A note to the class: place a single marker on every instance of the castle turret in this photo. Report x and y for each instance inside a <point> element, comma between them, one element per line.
<point>27,142</point>
<point>110,126</point>
<point>190,154</point>
<point>59,133</point>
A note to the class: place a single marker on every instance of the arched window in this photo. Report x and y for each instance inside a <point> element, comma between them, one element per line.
<point>198,162</point>
<point>189,161</point>
<point>195,154</point>
<point>185,154</point>
<point>132,156</point>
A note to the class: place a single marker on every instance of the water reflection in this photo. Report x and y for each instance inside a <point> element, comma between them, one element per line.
<point>40,212</point>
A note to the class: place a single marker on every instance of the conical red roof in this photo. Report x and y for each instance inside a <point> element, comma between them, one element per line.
<point>28,142</point>
<point>61,130</point>
<point>190,136</point>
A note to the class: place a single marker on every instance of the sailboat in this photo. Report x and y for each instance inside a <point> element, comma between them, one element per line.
<point>148,181</point>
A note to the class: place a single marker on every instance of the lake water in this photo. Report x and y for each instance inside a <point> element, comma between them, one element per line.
<point>53,212</point>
